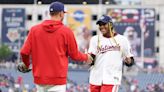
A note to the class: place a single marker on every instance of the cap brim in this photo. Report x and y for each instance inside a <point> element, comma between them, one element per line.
<point>100,21</point>
<point>65,11</point>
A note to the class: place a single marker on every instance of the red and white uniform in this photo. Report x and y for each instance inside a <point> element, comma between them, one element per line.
<point>107,69</point>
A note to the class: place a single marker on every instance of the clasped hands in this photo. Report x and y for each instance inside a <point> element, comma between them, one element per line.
<point>90,59</point>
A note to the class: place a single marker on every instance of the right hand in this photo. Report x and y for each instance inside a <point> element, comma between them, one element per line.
<point>22,68</point>
<point>90,59</point>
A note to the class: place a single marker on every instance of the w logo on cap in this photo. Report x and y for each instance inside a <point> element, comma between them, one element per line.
<point>104,19</point>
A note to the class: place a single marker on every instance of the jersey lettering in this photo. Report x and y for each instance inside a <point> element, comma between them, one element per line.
<point>103,49</point>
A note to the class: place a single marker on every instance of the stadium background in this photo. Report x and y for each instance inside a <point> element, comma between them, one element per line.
<point>145,16</point>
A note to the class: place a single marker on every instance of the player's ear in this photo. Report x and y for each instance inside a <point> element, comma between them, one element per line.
<point>60,14</point>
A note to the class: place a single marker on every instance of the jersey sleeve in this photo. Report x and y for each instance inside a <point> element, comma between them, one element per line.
<point>93,46</point>
<point>127,51</point>
<point>73,50</point>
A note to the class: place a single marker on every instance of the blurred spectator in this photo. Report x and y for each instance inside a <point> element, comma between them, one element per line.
<point>157,88</point>
<point>19,80</point>
<point>133,38</point>
<point>83,39</point>
<point>5,82</point>
<point>14,57</point>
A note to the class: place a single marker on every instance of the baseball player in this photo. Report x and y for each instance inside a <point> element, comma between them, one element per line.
<point>109,50</point>
<point>49,44</point>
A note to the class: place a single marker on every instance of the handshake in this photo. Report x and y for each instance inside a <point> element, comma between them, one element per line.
<point>91,59</point>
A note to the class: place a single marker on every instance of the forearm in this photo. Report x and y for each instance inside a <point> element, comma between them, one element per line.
<point>78,56</point>
<point>25,59</point>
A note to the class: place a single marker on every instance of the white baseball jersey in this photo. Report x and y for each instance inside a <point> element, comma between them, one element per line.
<point>109,59</point>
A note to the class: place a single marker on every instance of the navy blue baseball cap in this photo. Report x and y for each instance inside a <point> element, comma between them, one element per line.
<point>56,6</point>
<point>104,19</point>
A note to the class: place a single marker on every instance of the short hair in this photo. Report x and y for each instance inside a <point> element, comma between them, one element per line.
<point>54,13</point>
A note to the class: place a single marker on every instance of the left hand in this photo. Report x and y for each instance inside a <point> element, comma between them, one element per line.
<point>129,61</point>
<point>90,59</point>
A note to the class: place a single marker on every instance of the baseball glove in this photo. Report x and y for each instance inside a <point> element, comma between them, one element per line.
<point>22,68</point>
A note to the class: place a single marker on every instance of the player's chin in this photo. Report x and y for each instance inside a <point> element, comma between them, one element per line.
<point>103,32</point>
